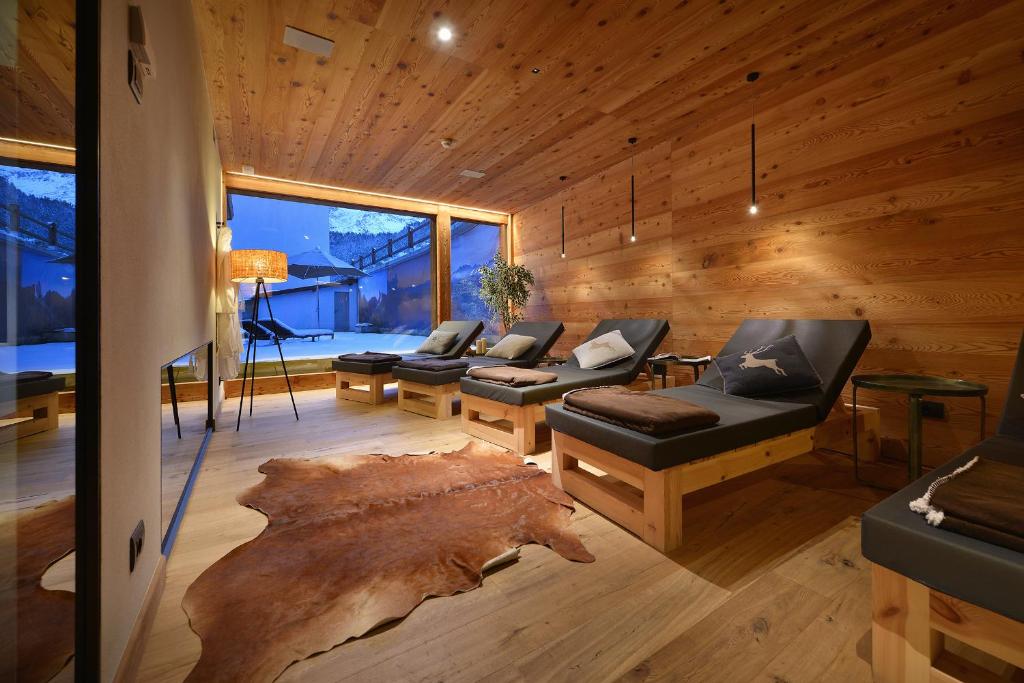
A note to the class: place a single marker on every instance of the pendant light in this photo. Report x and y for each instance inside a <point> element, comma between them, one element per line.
<point>632,191</point>
<point>562,178</point>
<point>751,77</point>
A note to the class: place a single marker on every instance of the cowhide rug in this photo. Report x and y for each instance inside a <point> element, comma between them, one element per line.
<point>354,543</point>
<point>42,640</point>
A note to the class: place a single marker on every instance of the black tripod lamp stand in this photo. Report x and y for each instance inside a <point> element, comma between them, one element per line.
<point>259,266</point>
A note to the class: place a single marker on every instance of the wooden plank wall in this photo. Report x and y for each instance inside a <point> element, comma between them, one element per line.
<point>891,185</point>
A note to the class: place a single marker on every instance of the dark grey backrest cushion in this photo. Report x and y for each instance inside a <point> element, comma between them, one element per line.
<point>644,335</point>
<point>467,331</point>
<point>832,346</point>
<point>1012,422</point>
<point>545,333</point>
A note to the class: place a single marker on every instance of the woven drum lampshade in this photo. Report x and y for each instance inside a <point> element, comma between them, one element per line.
<point>250,265</point>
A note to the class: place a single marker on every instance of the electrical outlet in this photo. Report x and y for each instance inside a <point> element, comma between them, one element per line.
<point>935,410</point>
<point>135,545</point>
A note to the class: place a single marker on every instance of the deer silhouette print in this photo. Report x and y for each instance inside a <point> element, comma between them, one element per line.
<point>750,362</point>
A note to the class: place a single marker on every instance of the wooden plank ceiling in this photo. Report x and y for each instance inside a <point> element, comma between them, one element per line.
<point>372,114</point>
<point>37,71</point>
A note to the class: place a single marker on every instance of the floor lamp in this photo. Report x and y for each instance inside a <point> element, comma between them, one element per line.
<point>259,266</point>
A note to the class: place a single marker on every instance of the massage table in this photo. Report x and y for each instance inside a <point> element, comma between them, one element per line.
<point>350,376</point>
<point>32,395</point>
<point>752,433</point>
<point>929,583</point>
<point>508,416</point>
<point>430,393</point>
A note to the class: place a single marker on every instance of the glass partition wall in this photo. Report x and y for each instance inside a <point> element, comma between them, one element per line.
<point>473,245</point>
<point>38,334</point>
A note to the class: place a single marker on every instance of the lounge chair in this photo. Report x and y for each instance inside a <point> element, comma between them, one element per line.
<point>523,407</point>
<point>256,330</point>
<point>929,582</point>
<point>286,331</point>
<point>350,375</point>
<point>431,393</point>
<point>751,434</point>
<point>31,395</point>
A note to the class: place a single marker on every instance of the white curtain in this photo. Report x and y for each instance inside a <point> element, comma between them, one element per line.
<point>229,332</point>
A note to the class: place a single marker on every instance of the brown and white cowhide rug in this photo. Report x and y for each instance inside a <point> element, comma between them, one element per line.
<point>41,639</point>
<point>356,542</point>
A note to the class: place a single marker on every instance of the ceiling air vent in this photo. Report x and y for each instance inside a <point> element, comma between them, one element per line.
<point>309,42</point>
<point>472,174</point>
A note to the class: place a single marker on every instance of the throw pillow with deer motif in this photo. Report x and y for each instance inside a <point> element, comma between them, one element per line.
<point>778,367</point>
<point>603,350</point>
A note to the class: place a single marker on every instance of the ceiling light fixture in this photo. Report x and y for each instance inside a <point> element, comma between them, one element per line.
<point>444,34</point>
<point>535,70</point>
<point>632,190</point>
<point>751,77</point>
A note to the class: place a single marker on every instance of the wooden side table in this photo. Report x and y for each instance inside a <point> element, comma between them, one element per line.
<point>915,387</point>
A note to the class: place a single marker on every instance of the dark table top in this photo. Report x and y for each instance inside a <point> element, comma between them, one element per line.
<point>922,385</point>
<point>696,360</point>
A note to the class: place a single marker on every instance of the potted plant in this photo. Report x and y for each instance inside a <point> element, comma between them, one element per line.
<point>505,289</point>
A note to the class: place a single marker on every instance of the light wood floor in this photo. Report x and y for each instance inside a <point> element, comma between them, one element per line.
<point>769,586</point>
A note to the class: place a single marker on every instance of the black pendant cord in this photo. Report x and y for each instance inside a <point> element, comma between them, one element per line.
<point>753,167</point>
<point>563,230</point>
<point>632,190</point>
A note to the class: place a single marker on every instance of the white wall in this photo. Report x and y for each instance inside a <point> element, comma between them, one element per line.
<point>159,196</point>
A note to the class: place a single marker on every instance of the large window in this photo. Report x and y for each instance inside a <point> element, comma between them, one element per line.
<point>371,289</point>
<point>37,306</point>
<point>473,245</point>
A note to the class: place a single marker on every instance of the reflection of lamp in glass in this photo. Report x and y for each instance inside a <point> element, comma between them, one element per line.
<point>260,266</point>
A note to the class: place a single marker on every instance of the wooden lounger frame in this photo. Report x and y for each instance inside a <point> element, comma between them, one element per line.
<point>346,386</point>
<point>429,400</point>
<point>910,623</point>
<point>649,503</point>
<point>42,411</point>
<point>520,437</point>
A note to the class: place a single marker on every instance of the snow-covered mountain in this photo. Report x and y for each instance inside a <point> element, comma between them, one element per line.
<point>44,184</point>
<point>369,222</point>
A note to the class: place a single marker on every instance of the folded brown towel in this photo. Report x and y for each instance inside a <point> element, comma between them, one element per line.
<point>983,499</point>
<point>370,357</point>
<point>643,412</point>
<point>512,377</point>
<point>439,365</point>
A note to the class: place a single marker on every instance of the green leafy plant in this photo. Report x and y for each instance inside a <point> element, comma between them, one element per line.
<point>505,289</point>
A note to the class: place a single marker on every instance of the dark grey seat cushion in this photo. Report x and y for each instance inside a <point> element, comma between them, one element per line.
<point>467,331</point>
<point>375,368</point>
<point>643,335</point>
<point>966,568</point>
<point>11,389</point>
<point>432,378</point>
<point>743,421</point>
<point>832,346</point>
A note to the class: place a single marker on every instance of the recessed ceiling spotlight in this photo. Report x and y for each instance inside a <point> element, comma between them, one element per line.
<point>535,70</point>
<point>447,143</point>
<point>444,34</point>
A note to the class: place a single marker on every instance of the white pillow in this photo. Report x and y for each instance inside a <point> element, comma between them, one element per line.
<point>511,346</point>
<point>604,350</point>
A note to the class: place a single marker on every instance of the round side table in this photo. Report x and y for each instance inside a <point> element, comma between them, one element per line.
<point>915,387</point>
